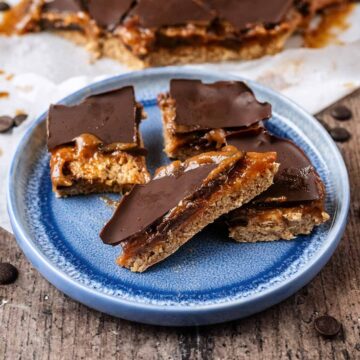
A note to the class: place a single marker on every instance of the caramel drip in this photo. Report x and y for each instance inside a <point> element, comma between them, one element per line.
<point>86,147</point>
<point>225,159</point>
<point>59,158</point>
<point>332,19</point>
<point>21,18</point>
<point>218,136</point>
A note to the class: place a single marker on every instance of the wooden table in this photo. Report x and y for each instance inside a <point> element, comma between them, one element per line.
<point>38,322</point>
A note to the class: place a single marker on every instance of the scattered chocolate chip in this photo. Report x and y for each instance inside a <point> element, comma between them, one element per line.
<point>341,112</point>
<point>340,134</point>
<point>327,326</point>
<point>19,119</point>
<point>6,123</point>
<point>4,6</point>
<point>8,273</point>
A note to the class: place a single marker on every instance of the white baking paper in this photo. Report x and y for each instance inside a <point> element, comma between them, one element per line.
<point>39,69</point>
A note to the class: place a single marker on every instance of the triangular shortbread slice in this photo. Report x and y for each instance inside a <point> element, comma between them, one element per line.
<point>156,219</point>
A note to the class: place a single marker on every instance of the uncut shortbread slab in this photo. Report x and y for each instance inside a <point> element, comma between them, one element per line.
<point>156,219</point>
<point>146,33</point>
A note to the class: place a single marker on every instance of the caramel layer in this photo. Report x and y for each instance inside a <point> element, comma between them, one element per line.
<point>89,153</point>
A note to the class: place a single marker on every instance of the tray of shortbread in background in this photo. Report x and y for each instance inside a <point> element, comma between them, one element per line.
<point>209,264</point>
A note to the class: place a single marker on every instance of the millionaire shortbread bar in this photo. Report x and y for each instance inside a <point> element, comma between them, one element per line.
<point>155,219</point>
<point>95,145</point>
<point>293,205</point>
<point>197,117</point>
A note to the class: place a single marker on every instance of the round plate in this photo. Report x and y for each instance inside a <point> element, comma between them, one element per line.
<point>210,279</point>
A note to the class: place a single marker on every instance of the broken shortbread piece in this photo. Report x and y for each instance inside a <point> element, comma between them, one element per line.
<point>156,219</point>
<point>95,145</point>
<point>293,205</point>
<point>197,117</point>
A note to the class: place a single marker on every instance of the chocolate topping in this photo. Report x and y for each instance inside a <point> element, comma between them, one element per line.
<point>224,104</point>
<point>296,179</point>
<point>155,13</point>
<point>111,117</point>
<point>244,13</point>
<point>63,6</point>
<point>108,13</point>
<point>241,14</point>
<point>147,203</point>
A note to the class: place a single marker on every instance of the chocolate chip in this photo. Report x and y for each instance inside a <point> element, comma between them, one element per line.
<point>8,273</point>
<point>341,112</point>
<point>19,119</point>
<point>6,123</point>
<point>4,6</point>
<point>327,326</point>
<point>340,134</point>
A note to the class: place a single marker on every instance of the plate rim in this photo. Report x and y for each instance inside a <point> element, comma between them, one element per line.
<point>173,315</point>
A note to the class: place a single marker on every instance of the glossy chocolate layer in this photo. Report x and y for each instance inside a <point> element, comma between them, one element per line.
<point>296,179</point>
<point>145,204</point>
<point>224,104</point>
<point>244,13</point>
<point>241,14</point>
<point>155,13</point>
<point>112,117</point>
<point>63,6</point>
<point>108,13</point>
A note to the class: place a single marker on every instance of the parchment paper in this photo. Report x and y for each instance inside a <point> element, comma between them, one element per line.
<point>39,69</point>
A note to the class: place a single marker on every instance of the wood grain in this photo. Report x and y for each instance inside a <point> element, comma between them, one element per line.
<point>38,322</point>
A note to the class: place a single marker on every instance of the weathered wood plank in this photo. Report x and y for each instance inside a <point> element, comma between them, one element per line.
<point>38,322</point>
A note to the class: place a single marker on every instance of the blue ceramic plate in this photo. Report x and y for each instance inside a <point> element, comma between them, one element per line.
<point>210,279</point>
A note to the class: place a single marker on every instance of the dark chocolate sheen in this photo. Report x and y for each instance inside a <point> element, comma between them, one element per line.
<point>147,203</point>
<point>224,104</point>
<point>108,13</point>
<point>296,179</point>
<point>155,13</point>
<point>244,13</point>
<point>63,6</point>
<point>110,116</point>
